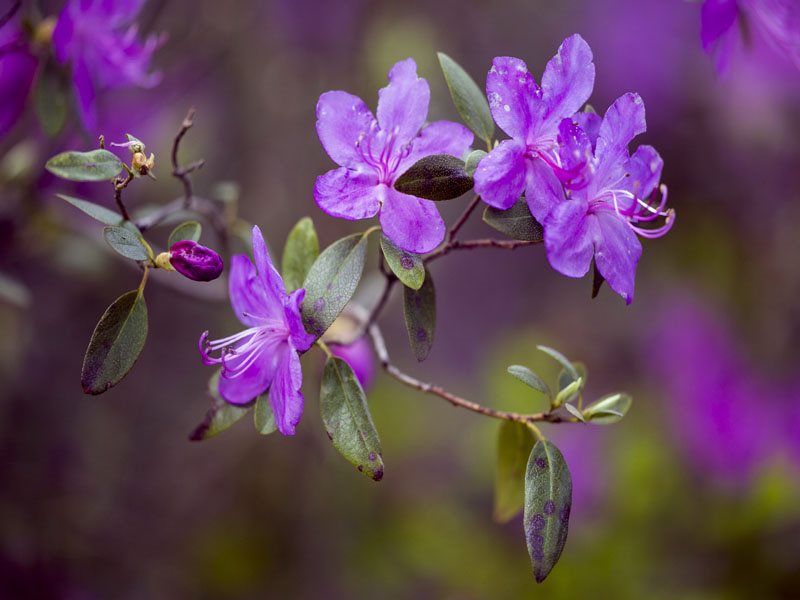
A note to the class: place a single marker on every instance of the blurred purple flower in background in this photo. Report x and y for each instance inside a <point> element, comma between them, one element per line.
<point>726,23</point>
<point>17,71</point>
<point>99,41</point>
<point>372,153</point>
<point>535,160</point>
<point>360,358</point>
<point>194,261</point>
<point>719,411</point>
<point>264,356</point>
<point>601,220</point>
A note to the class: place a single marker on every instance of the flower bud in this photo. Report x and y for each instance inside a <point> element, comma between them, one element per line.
<point>360,358</point>
<point>194,261</point>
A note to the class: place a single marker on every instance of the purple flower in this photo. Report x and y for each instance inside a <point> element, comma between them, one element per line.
<point>98,39</point>
<point>601,220</point>
<point>373,152</point>
<point>542,151</point>
<point>359,356</point>
<point>778,22</point>
<point>194,261</point>
<point>17,70</point>
<point>265,355</point>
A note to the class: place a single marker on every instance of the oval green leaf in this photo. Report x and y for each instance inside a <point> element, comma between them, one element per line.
<point>347,419</point>
<point>188,230</point>
<point>409,268</point>
<point>97,212</point>
<point>220,416</point>
<point>419,309</point>
<point>435,177</point>
<point>116,343</point>
<point>565,378</point>
<point>517,222</point>
<point>514,444</point>
<point>609,409</point>
<point>575,412</point>
<point>468,98</point>
<point>548,502</point>
<point>126,242</point>
<point>300,252</point>
<point>531,379</point>
<point>264,417</point>
<point>569,393</point>
<point>331,281</point>
<point>52,98</point>
<point>97,165</point>
<point>565,362</point>
<point>473,158</point>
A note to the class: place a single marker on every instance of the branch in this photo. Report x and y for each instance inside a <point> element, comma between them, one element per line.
<point>472,244</point>
<point>435,390</point>
<point>463,218</point>
<point>178,171</point>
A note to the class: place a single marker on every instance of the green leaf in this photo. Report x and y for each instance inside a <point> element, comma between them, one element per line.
<point>469,98</point>
<point>52,98</point>
<point>419,308</point>
<point>575,412</point>
<point>531,379</point>
<point>548,502</point>
<point>568,393</point>
<point>97,212</point>
<point>126,242</point>
<point>514,444</point>
<point>116,343</point>
<point>300,252</point>
<point>408,267</point>
<point>568,366</point>
<point>516,222</point>
<point>188,230</point>
<point>609,409</point>
<point>264,417</point>
<point>435,177</point>
<point>473,158</point>
<point>347,419</point>
<point>97,165</point>
<point>565,377</point>
<point>331,281</point>
<point>220,416</point>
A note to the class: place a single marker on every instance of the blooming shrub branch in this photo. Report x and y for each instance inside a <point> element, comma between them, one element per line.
<point>565,180</point>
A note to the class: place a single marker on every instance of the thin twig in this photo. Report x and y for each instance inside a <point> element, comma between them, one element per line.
<point>463,218</point>
<point>429,388</point>
<point>179,172</point>
<point>119,185</point>
<point>472,244</point>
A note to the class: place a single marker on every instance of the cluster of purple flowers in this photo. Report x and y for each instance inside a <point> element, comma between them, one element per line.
<point>593,198</point>
<point>97,39</point>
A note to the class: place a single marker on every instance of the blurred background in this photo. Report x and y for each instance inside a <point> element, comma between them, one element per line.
<point>694,495</point>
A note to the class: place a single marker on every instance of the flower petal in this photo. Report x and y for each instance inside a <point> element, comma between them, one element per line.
<point>717,17</point>
<point>273,282</point>
<point>514,98</point>
<point>543,190</point>
<point>298,335</point>
<point>360,358</point>
<point>439,137</point>
<point>285,396</point>
<point>342,120</point>
<point>348,194</point>
<point>590,122</point>
<point>624,120</point>
<point>568,79</point>
<point>403,104</point>
<point>500,176</point>
<point>569,232</point>
<point>254,381</point>
<point>617,252</point>
<point>413,224</point>
<point>644,171</point>
<point>249,299</point>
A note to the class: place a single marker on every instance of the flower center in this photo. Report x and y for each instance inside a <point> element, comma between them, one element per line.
<point>634,210</point>
<point>381,150</point>
<point>247,345</point>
